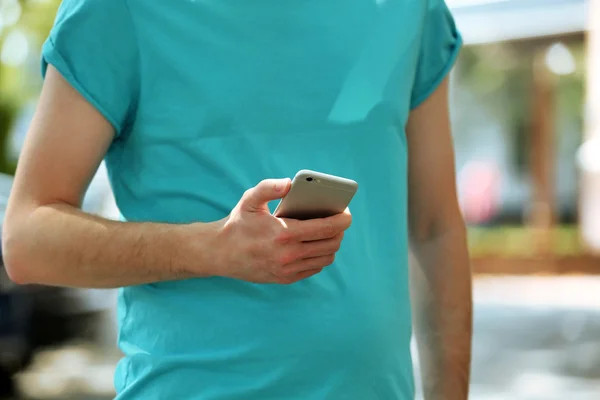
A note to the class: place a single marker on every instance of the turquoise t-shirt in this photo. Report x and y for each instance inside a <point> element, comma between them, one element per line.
<point>208,97</point>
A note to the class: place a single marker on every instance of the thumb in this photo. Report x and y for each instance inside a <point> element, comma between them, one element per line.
<point>256,199</point>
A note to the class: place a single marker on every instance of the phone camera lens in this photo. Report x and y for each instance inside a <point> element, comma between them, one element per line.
<point>309,179</point>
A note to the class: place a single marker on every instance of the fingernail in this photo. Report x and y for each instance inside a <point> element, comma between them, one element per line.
<point>278,186</point>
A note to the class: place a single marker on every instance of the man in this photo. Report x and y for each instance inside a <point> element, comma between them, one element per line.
<point>192,104</point>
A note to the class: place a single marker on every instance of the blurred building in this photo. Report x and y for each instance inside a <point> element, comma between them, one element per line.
<point>518,101</point>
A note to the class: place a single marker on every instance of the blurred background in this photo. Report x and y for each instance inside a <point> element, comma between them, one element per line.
<point>525,105</point>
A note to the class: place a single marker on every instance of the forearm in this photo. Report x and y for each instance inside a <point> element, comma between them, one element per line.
<point>442,314</point>
<point>60,245</point>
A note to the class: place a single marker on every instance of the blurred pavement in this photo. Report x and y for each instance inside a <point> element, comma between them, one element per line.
<point>536,338</point>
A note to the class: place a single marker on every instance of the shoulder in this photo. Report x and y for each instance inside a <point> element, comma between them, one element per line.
<point>94,13</point>
<point>98,6</point>
<point>94,25</point>
<point>439,48</point>
<point>93,44</point>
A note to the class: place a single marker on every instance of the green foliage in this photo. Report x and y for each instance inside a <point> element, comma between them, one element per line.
<point>500,76</point>
<point>7,114</point>
<point>519,241</point>
<point>35,22</point>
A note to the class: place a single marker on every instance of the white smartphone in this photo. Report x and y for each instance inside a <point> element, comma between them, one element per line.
<point>316,195</point>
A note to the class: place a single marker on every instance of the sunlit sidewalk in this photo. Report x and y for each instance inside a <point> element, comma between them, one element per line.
<point>536,338</point>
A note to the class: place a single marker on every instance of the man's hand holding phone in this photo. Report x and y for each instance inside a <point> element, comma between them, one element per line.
<point>255,246</point>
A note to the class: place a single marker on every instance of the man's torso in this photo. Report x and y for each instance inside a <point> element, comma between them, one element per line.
<point>233,93</point>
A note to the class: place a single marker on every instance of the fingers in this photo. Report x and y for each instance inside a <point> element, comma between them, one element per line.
<point>308,264</point>
<point>319,240</point>
<point>309,258</point>
<point>317,248</point>
<point>307,273</point>
<point>318,228</point>
<point>298,277</point>
<point>256,198</point>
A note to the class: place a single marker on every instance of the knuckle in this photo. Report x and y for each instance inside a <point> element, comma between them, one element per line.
<point>329,259</point>
<point>265,185</point>
<point>280,273</point>
<point>247,193</point>
<point>262,184</point>
<point>285,259</point>
<point>303,252</point>
<point>283,237</point>
<point>287,272</point>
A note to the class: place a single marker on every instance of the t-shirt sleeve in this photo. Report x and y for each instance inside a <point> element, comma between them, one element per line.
<point>93,45</point>
<point>440,45</point>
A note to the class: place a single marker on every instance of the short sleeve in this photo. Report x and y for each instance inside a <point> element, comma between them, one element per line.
<point>93,45</point>
<point>440,45</point>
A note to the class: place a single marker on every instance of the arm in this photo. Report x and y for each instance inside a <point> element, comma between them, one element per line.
<point>48,239</point>
<point>441,278</point>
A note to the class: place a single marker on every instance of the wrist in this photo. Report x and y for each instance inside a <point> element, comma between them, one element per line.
<point>200,245</point>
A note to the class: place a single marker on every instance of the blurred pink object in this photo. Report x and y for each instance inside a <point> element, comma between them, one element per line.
<point>480,184</point>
